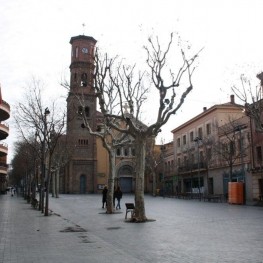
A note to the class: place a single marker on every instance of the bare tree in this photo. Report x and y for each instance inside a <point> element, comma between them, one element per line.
<point>61,156</point>
<point>207,159</point>
<point>23,168</point>
<point>111,140</point>
<point>231,146</point>
<point>252,99</point>
<point>153,161</point>
<point>131,89</point>
<point>32,117</point>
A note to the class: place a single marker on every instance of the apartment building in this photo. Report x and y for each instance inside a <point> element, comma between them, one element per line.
<point>256,166</point>
<point>201,163</point>
<point>4,132</point>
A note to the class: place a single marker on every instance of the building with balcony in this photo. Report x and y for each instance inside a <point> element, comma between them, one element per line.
<point>4,132</point>
<point>212,149</point>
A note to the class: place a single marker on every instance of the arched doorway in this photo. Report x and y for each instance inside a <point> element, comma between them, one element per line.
<point>125,177</point>
<point>82,184</point>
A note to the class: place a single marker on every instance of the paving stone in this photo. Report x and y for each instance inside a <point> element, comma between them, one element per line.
<point>78,230</point>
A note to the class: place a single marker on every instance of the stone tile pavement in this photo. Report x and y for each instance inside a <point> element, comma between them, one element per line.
<point>78,230</point>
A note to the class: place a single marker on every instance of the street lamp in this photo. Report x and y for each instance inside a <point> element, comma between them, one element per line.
<point>198,140</point>
<point>43,177</point>
<point>35,183</point>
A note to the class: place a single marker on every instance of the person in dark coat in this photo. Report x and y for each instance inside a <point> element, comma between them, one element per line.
<point>104,196</point>
<point>114,197</point>
<point>118,195</point>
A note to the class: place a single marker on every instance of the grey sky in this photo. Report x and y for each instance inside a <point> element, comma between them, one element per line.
<point>35,41</point>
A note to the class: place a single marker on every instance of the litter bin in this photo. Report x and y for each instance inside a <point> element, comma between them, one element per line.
<point>236,193</point>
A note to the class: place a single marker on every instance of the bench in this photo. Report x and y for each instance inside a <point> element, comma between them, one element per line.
<point>34,203</point>
<point>130,208</point>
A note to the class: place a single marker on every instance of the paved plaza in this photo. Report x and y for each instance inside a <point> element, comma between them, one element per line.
<point>79,230</point>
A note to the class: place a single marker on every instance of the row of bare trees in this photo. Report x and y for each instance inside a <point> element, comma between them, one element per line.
<point>41,149</point>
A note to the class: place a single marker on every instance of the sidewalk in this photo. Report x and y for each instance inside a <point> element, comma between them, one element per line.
<point>79,231</point>
<point>27,236</point>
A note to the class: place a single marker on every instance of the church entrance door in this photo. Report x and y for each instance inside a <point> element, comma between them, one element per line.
<point>82,183</point>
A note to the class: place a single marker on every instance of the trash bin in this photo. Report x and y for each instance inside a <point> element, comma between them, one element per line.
<point>236,193</point>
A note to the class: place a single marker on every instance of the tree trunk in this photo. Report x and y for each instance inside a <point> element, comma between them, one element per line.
<point>207,189</point>
<point>47,189</point>
<point>43,172</point>
<point>154,182</point>
<point>110,206</point>
<point>57,183</point>
<point>139,188</point>
<point>230,171</point>
<point>53,178</point>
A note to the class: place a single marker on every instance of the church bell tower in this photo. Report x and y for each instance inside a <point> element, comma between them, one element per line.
<point>81,172</point>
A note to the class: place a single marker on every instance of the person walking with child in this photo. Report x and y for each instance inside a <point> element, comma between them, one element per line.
<point>118,195</point>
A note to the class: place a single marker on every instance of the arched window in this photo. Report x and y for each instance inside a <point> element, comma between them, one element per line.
<point>77,52</point>
<point>80,111</point>
<point>118,153</point>
<point>84,81</point>
<point>126,170</point>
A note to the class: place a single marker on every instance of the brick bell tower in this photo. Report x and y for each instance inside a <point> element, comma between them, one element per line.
<point>81,172</point>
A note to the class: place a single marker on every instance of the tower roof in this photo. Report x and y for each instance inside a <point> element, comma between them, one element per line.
<point>83,37</point>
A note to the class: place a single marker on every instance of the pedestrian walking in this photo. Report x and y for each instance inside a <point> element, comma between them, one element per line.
<point>104,196</point>
<point>118,195</point>
<point>114,197</point>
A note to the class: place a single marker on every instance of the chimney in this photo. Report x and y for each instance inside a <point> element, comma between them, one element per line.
<point>204,108</point>
<point>232,99</point>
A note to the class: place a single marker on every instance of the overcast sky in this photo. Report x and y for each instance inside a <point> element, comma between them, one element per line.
<point>35,42</point>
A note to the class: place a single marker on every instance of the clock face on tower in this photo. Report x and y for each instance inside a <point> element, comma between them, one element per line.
<point>84,50</point>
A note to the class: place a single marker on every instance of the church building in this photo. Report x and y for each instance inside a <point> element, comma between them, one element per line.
<point>88,168</point>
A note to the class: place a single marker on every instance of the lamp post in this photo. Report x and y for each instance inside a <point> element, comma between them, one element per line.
<point>35,167</point>
<point>198,140</point>
<point>43,177</point>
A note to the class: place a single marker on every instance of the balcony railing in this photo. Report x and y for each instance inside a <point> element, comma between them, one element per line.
<point>4,110</point>
<point>4,131</point>
<point>192,167</point>
<point>3,149</point>
<point>3,168</point>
